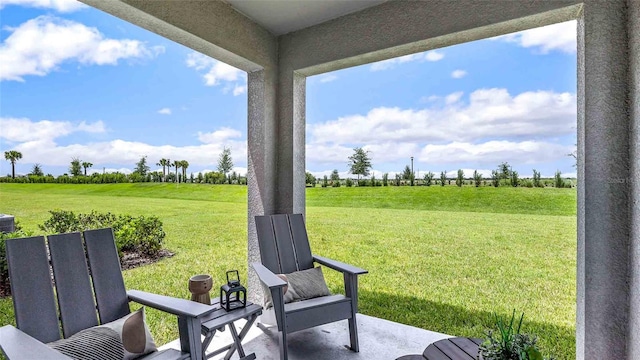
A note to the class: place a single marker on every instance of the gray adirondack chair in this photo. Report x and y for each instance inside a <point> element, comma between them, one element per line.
<point>78,293</point>
<point>284,248</point>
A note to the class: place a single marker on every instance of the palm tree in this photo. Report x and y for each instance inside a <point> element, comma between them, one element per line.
<point>163,162</point>
<point>177,165</point>
<point>169,165</point>
<point>13,156</point>
<point>86,165</point>
<point>185,165</point>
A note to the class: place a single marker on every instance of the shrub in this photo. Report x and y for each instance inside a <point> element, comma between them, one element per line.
<point>460,178</point>
<point>527,183</point>
<point>443,178</point>
<point>428,178</point>
<point>325,181</point>
<point>362,182</point>
<point>385,179</point>
<point>477,178</point>
<point>142,234</point>
<point>349,182</point>
<point>509,343</point>
<point>514,178</point>
<point>558,181</point>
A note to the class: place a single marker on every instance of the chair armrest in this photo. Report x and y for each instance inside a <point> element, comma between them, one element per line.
<point>268,278</point>
<point>15,344</point>
<point>339,266</point>
<point>171,305</point>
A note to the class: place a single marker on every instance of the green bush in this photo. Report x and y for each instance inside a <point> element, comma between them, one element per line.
<point>143,234</point>
<point>349,182</point>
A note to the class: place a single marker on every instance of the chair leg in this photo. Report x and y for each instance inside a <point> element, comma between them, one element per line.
<point>353,334</point>
<point>282,343</point>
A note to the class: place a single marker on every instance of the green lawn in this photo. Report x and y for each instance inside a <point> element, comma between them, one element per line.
<point>440,258</point>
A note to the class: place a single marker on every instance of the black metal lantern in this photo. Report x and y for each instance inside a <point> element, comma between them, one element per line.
<point>232,294</point>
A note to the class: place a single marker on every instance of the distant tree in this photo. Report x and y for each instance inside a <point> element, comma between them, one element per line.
<point>225,163</point>
<point>515,181</point>
<point>504,169</point>
<point>460,178</point>
<point>13,156</point>
<point>86,165</point>
<point>385,179</point>
<point>443,178</point>
<point>373,180</point>
<point>141,166</point>
<point>406,173</point>
<point>558,181</point>
<point>76,167</point>
<point>177,164</point>
<point>184,164</point>
<point>335,176</point>
<point>169,177</point>
<point>325,181</point>
<point>536,179</point>
<point>37,170</point>
<point>428,178</point>
<point>398,179</point>
<point>200,177</point>
<point>495,178</point>
<point>310,179</point>
<point>477,178</point>
<point>164,163</point>
<point>192,178</point>
<point>359,162</point>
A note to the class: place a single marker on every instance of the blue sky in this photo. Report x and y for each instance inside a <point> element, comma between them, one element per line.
<point>77,82</point>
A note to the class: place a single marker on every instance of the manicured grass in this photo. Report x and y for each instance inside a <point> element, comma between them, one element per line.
<point>442,259</point>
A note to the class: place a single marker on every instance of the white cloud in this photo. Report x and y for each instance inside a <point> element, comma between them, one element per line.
<point>432,55</point>
<point>458,74</point>
<point>24,130</point>
<point>63,6</point>
<point>216,72</point>
<point>219,136</point>
<point>41,45</point>
<point>561,37</point>
<point>165,111</point>
<point>37,142</point>
<point>239,89</point>
<point>493,152</point>
<point>325,78</point>
<point>489,113</point>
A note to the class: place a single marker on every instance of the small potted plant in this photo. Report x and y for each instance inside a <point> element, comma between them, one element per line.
<point>508,343</point>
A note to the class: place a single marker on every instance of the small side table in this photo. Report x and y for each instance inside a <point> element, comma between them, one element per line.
<point>218,319</point>
<point>457,348</point>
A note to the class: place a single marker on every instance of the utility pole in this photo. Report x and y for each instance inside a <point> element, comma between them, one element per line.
<point>412,165</point>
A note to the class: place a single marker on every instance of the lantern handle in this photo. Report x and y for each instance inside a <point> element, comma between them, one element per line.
<point>229,281</point>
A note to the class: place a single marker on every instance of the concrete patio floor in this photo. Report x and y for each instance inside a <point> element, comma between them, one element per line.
<point>379,339</point>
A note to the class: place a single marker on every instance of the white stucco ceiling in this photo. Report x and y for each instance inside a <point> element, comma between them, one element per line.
<point>284,16</point>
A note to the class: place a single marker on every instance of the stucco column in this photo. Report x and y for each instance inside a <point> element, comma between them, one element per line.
<point>604,216</point>
<point>262,162</point>
<point>276,156</point>
<point>633,340</point>
<point>290,185</point>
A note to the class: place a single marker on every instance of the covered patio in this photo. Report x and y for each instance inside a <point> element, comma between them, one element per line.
<point>280,43</point>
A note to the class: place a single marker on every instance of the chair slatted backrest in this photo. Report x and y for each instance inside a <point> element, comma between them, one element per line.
<point>33,300</point>
<point>284,244</point>
<point>108,285</point>
<point>73,287</point>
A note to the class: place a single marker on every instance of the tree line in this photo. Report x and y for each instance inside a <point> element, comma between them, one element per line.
<point>360,164</point>
<point>77,172</point>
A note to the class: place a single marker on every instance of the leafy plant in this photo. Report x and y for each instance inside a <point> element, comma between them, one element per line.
<point>460,178</point>
<point>443,178</point>
<point>143,234</point>
<point>508,343</point>
<point>428,178</point>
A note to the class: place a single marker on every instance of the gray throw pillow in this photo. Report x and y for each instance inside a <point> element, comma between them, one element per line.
<point>123,339</point>
<point>301,285</point>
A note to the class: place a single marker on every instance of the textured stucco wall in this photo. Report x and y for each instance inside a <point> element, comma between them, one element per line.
<point>633,340</point>
<point>210,27</point>
<point>603,301</point>
<point>398,28</point>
